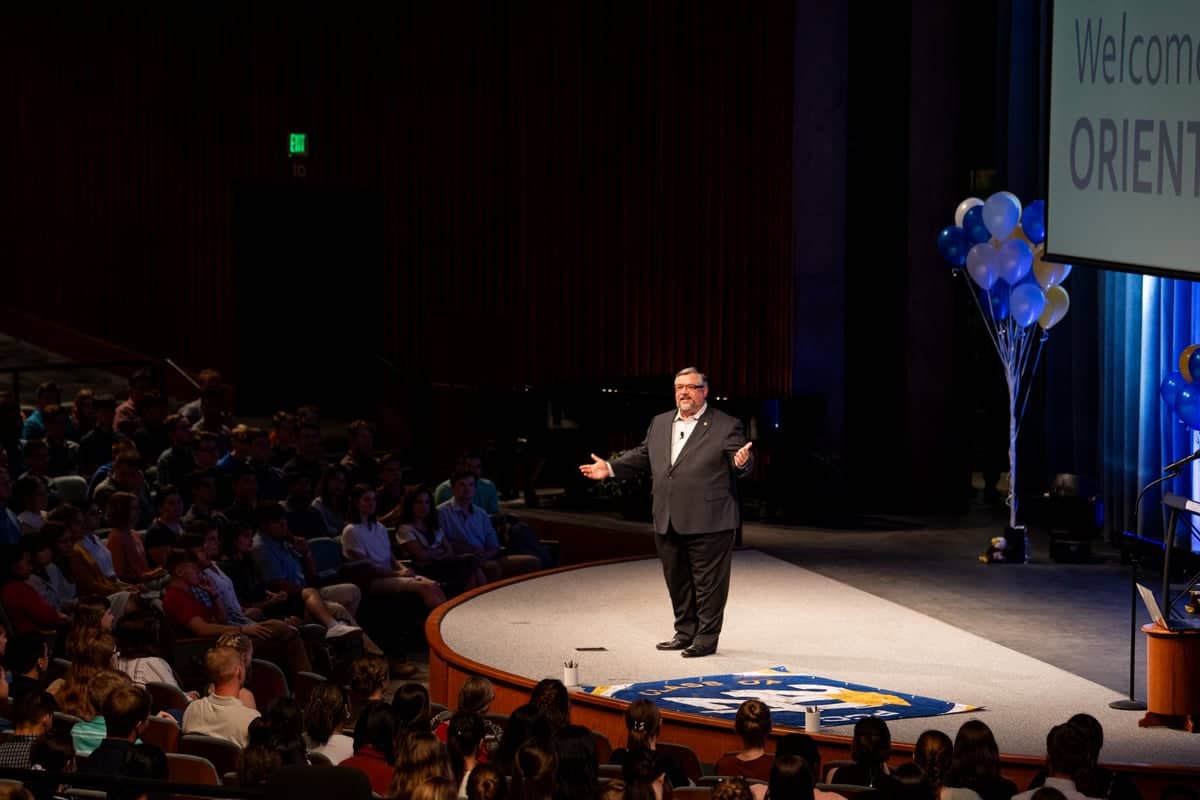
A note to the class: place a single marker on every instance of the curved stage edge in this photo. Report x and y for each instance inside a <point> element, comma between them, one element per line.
<point>710,738</point>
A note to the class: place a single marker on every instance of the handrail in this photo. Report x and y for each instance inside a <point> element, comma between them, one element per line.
<point>70,366</point>
<point>86,780</point>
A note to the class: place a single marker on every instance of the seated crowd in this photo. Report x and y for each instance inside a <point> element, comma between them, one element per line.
<point>170,579</point>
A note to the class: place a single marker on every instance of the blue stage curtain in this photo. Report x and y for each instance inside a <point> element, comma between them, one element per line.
<point>1144,322</point>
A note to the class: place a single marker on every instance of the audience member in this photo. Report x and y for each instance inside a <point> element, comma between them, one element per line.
<point>753,725</point>
<point>325,717</point>
<point>486,782</point>
<point>419,757</point>
<point>364,539</point>
<point>27,611</point>
<point>424,542</point>
<point>141,648</point>
<point>46,394</point>
<point>128,417</point>
<point>53,553</point>
<point>975,763</point>
<point>178,459</point>
<point>167,527</point>
<point>88,734</point>
<point>331,501</point>
<point>28,657</point>
<point>63,453</point>
<point>486,498</point>
<point>125,712</point>
<point>128,552</point>
<point>31,716</point>
<point>410,701</point>
<point>375,746</point>
<point>221,713</point>
<point>642,724</point>
<point>359,463</point>
<point>870,750</point>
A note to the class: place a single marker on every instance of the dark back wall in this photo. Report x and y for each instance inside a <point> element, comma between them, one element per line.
<point>568,190</point>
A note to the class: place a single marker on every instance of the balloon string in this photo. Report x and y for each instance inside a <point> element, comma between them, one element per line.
<point>990,315</point>
<point>1029,390</point>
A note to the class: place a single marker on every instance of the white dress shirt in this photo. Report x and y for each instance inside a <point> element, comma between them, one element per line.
<point>681,430</point>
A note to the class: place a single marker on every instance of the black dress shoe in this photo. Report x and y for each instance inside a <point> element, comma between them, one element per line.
<point>674,644</point>
<point>698,650</point>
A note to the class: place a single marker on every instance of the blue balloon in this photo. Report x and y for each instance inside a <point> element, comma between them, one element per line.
<point>1169,390</point>
<point>1187,405</point>
<point>997,298</point>
<point>1033,221</point>
<point>952,244</point>
<point>977,232</point>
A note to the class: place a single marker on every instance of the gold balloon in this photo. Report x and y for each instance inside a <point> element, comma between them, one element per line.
<point>1048,273</point>
<point>1184,357</point>
<point>1058,302</point>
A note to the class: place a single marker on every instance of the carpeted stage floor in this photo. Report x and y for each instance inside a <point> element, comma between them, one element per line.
<point>781,614</point>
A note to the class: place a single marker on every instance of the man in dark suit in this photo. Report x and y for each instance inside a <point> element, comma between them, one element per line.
<point>694,455</point>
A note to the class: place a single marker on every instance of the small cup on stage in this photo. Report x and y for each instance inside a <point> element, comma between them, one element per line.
<point>812,719</point>
<point>570,674</point>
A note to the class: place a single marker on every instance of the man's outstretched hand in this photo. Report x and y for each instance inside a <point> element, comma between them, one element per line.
<point>742,455</point>
<point>597,470</point>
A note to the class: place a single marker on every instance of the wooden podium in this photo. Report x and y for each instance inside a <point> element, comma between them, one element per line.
<point>1172,678</point>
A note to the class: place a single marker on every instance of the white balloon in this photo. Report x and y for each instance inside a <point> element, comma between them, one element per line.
<point>964,207</point>
<point>1001,213</point>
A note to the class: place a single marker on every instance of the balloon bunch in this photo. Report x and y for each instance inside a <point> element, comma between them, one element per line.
<point>999,246</point>
<point>1180,389</point>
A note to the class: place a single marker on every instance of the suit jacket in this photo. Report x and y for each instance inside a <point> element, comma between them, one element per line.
<point>698,493</point>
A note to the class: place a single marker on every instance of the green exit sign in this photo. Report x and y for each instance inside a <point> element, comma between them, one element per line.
<point>297,144</point>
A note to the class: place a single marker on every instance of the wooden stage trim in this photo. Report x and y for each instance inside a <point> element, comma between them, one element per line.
<point>710,738</point>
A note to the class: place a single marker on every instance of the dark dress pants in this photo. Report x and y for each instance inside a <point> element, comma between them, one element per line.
<point>696,567</point>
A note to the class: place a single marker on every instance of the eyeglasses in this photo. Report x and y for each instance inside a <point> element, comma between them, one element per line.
<point>692,387</point>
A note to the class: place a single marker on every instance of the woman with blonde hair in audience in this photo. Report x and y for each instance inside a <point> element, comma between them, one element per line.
<point>92,615</point>
<point>419,757</point>
<point>642,724</point>
<point>128,553</point>
<point>91,657</point>
<point>753,726</point>
<point>975,763</point>
<point>535,772</point>
<point>331,499</point>
<point>92,731</point>
<point>486,783</point>
<point>436,789</point>
<point>325,717</point>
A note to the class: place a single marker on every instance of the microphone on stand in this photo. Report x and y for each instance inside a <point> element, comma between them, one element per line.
<point>1175,466</point>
